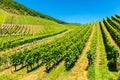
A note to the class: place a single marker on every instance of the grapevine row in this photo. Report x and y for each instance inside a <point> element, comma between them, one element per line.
<point>50,53</point>
<point>116,19</point>
<point>6,45</point>
<point>115,34</point>
<point>91,55</point>
<point>114,24</point>
<point>73,52</point>
<point>112,50</point>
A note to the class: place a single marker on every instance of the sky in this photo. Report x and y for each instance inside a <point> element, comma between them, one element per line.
<point>75,11</point>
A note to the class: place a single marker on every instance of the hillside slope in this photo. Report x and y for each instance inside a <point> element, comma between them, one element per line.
<point>17,8</point>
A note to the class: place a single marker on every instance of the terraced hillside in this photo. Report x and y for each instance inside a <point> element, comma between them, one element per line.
<point>34,48</point>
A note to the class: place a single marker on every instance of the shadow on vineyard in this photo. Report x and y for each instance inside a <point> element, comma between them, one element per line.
<point>111,59</point>
<point>68,68</point>
<point>111,66</point>
<point>19,69</point>
<point>36,67</point>
<point>54,65</point>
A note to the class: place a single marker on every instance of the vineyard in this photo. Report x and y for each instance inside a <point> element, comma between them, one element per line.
<point>33,48</point>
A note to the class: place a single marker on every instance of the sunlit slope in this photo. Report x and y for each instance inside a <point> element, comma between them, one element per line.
<point>12,24</point>
<point>17,8</point>
<point>2,17</point>
<point>16,30</point>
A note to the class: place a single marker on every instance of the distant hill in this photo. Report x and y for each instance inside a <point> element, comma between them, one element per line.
<point>17,8</point>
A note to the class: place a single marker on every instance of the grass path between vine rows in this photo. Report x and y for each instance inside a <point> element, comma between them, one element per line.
<point>34,43</point>
<point>78,72</point>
